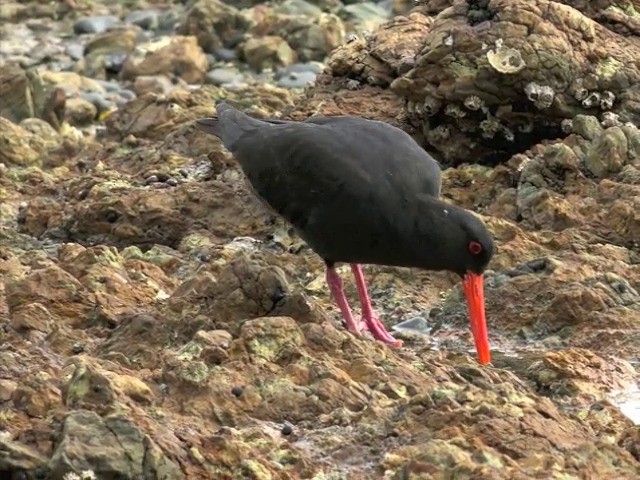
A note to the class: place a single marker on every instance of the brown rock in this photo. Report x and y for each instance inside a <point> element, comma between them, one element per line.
<point>7,387</point>
<point>268,52</point>
<point>181,56</point>
<point>214,23</point>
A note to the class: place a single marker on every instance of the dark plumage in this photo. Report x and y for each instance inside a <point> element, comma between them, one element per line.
<point>358,191</point>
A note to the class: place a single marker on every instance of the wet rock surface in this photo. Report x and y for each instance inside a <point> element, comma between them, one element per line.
<point>157,321</point>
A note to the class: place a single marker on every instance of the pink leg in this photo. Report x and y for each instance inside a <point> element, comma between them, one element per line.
<point>375,326</point>
<point>337,290</point>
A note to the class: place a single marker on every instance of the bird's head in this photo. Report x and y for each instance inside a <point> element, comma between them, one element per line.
<point>466,248</point>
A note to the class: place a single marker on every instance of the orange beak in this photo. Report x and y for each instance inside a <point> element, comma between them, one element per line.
<point>474,291</point>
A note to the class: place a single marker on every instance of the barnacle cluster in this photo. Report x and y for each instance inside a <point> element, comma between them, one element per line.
<point>591,100</point>
<point>541,95</point>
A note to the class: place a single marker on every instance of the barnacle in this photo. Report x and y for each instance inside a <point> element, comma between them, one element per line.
<point>473,102</point>
<point>610,119</point>
<point>580,93</point>
<point>506,60</point>
<point>454,111</point>
<point>591,100</point>
<point>566,125</point>
<point>541,95</point>
<point>490,127</point>
<point>431,106</point>
<point>607,99</point>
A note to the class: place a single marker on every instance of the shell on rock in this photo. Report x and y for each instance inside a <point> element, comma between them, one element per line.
<point>506,60</point>
<point>541,95</point>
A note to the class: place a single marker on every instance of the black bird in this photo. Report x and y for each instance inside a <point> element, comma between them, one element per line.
<point>360,192</point>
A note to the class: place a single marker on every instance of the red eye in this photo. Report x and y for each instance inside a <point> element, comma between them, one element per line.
<point>475,248</point>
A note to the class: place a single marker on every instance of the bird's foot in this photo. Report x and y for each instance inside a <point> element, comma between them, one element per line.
<point>379,331</point>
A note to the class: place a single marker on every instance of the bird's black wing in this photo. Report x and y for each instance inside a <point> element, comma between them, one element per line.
<point>340,183</point>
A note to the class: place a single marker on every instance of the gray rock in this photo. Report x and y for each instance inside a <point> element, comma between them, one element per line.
<point>75,51</point>
<point>147,19</point>
<point>313,67</point>
<point>97,24</point>
<point>224,54</point>
<point>364,13</point>
<point>100,102</point>
<point>224,75</point>
<point>296,79</point>
<point>298,7</point>
<point>416,324</point>
<point>113,447</point>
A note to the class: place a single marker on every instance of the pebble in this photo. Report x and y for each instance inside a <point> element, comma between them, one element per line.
<point>287,429</point>
<point>77,348</point>
<point>75,51</point>
<point>416,324</point>
<point>237,391</point>
<point>172,182</point>
<point>224,75</point>
<point>100,102</point>
<point>151,179</point>
<point>224,55</point>
<point>146,19</point>
<point>296,79</point>
<point>298,7</point>
<point>97,24</point>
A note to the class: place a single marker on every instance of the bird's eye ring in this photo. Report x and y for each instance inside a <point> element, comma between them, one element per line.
<point>475,248</point>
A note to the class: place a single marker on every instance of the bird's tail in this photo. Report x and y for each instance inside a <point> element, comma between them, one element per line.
<point>228,125</point>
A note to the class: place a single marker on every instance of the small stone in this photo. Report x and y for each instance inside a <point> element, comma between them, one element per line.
<point>266,52</point>
<point>146,19</point>
<point>224,75</point>
<point>151,179</point>
<point>286,430</point>
<point>7,387</point>
<point>297,80</point>
<point>237,391</point>
<point>77,348</point>
<point>97,24</point>
<point>172,182</point>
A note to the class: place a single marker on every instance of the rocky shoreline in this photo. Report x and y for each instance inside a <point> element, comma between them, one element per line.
<point>157,322</point>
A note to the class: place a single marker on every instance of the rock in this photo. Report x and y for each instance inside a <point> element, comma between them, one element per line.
<point>19,146</point>
<point>298,7</point>
<point>110,447</point>
<point>214,24</point>
<point>311,38</point>
<point>97,24</point>
<point>146,19</point>
<point>7,387</point>
<point>443,84</point>
<point>180,56</point>
<point>224,75</point>
<point>157,84</point>
<point>296,79</point>
<point>36,395</point>
<point>80,112</point>
<point>267,52</point>
<point>105,54</point>
<point>608,153</point>
<point>16,457</point>
<point>366,15</point>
